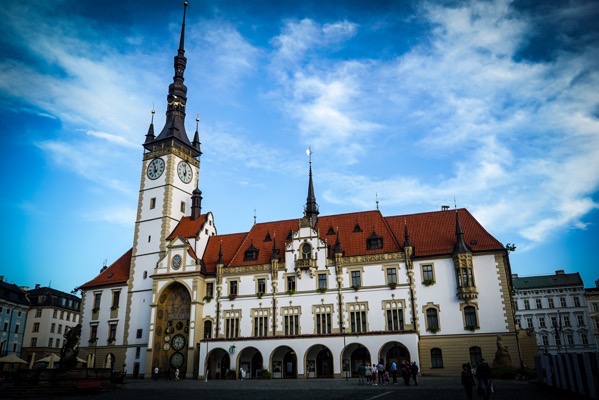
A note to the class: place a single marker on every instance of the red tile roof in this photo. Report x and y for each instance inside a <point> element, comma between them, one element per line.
<point>117,273</point>
<point>188,227</point>
<point>432,233</point>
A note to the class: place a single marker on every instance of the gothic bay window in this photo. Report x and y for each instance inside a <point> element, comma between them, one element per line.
<point>232,324</point>
<point>306,251</point>
<point>210,289</point>
<point>291,320</point>
<point>357,317</point>
<point>428,275</point>
<point>323,315</point>
<point>260,320</point>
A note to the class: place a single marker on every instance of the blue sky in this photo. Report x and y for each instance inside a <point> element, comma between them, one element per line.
<point>492,103</point>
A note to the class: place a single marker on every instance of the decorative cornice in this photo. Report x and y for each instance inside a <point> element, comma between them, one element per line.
<point>372,258</point>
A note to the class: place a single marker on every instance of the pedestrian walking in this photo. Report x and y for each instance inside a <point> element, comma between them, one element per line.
<point>177,374</point>
<point>467,380</point>
<point>394,372</point>
<point>368,373</point>
<point>405,372</point>
<point>414,370</point>
<point>361,374</point>
<point>241,373</point>
<point>156,370</point>
<point>380,372</point>
<point>374,373</point>
<point>483,373</point>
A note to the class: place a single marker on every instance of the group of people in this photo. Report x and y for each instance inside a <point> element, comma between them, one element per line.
<point>481,376</point>
<point>378,374</point>
<point>156,374</point>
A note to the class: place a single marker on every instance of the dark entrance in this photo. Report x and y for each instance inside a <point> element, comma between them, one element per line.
<point>290,365</point>
<point>324,364</point>
<point>358,356</point>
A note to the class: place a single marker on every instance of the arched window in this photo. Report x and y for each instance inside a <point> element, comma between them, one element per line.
<point>476,355</point>
<point>470,317</point>
<point>436,358</point>
<point>432,319</point>
<point>207,329</point>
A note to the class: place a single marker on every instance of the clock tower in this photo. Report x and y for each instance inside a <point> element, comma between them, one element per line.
<point>170,174</point>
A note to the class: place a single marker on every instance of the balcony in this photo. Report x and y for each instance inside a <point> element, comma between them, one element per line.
<point>305,264</point>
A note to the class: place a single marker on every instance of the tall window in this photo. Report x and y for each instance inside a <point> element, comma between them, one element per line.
<point>210,289</point>
<point>427,273</point>
<point>585,339</point>
<point>539,304</point>
<point>529,323</point>
<point>542,322</point>
<point>576,302</point>
<point>33,342</point>
<point>470,317</point>
<point>291,283</point>
<point>232,324</point>
<point>580,320</point>
<point>260,323</point>
<point>436,358</point>
<point>233,288</point>
<point>38,313</point>
<point>566,320</point>
<point>432,319</point>
<point>93,333</point>
<point>322,281</point>
<point>51,342</point>
<point>526,304</point>
<point>36,327</point>
<point>391,275</point>
<point>550,303</point>
<point>207,329</point>
<point>115,299</point>
<point>562,302</point>
<point>545,340</point>
<point>394,316</point>
<point>570,338</point>
<point>357,317</point>
<point>291,320</point>
<point>356,279</point>
<point>323,315</point>
<point>97,299</point>
<point>112,332</point>
<point>261,285</point>
<point>59,331</point>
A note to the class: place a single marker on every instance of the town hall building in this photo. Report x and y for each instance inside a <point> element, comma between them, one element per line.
<point>309,297</point>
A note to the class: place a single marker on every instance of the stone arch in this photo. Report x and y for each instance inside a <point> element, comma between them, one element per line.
<point>251,360</point>
<point>319,362</point>
<point>283,361</point>
<point>171,329</point>
<point>394,351</point>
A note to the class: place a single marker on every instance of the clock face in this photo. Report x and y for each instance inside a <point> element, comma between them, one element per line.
<point>176,262</point>
<point>184,172</point>
<point>177,360</point>
<point>178,342</point>
<point>166,347</point>
<point>156,168</point>
<point>167,338</point>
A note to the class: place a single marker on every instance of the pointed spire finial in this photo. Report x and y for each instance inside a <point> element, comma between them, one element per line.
<point>311,209</point>
<point>377,202</point>
<point>254,215</point>
<point>196,137</point>
<point>150,135</point>
<point>407,242</point>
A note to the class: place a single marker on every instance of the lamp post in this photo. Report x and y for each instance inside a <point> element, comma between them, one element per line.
<point>344,366</point>
<point>95,349</point>
<point>206,336</point>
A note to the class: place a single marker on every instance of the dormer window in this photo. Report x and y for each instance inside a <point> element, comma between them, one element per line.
<point>357,228</point>
<point>374,242</point>
<point>251,254</point>
<point>267,238</point>
<point>331,231</point>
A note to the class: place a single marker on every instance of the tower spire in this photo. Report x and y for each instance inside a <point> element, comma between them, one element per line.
<point>174,126</point>
<point>460,245</point>
<point>311,210</point>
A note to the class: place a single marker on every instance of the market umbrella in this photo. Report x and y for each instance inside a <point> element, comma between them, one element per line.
<point>51,358</point>
<point>80,360</point>
<point>32,361</point>
<point>12,359</point>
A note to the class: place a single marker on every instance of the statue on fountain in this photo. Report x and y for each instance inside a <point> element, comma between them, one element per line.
<point>70,348</point>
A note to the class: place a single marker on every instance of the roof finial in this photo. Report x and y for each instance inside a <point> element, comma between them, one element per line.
<point>254,215</point>
<point>150,135</point>
<point>196,137</point>
<point>377,201</point>
<point>311,208</point>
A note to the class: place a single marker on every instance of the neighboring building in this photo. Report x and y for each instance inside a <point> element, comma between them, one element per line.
<point>305,297</point>
<point>592,295</point>
<point>554,307</point>
<point>13,314</point>
<point>51,314</point>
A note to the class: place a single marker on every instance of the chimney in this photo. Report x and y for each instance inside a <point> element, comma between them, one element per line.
<point>559,272</point>
<point>514,276</point>
<point>37,285</point>
<point>444,208</point>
